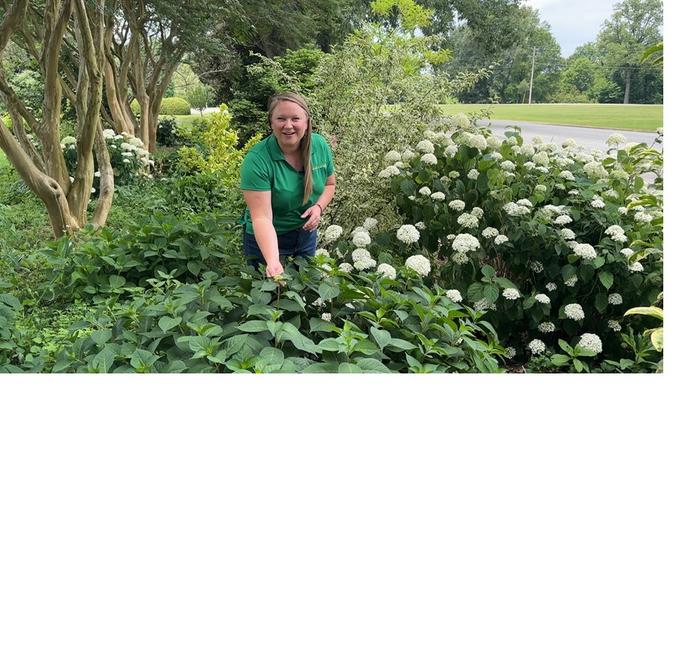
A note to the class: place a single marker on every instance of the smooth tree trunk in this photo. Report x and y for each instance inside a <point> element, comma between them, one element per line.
<point>628,84</point>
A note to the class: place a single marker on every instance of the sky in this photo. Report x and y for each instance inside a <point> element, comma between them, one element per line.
<point>574,22</point>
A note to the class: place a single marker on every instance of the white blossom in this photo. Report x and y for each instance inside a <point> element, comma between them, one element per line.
<point>438,196</point>
<point>515,209</point>
<point>595,170</point>
<point>386,270</point>
<point>536,266</point>
<point>370,223</point>
<point>321,252</point>
<point>616,233</point>
<point>465,243</point>
<point>591,342</point>
<point>510,352</point>
<point>456,205</point>
<point>361,239</point>
<point>468,220</point>
<point>636,267</point>
<point>597,203</point>
<point>614,325</point>
<point>360,253</point>
<point>542,298</point>
<point>626,251</point>
<point>408,234</point>
<point>454,295</point>
<point>392,157</point>
<point>429,158</point>
<point>483,305</point>
<point>510,293</point>
<point>569,142</point>
<point>585,251</point>
<point>615,139</point>
<point>419,263</point>
<point>546,327</point>
<point>537,347</point>
<point>551,286</point>
<point>643,217</point>
<point>332,233</point>
<point>327,317</point>
<point>426,147</point>
<point>500,239</point>
<point>407,155</point>
<point>571,281</point>
<point>567,175</point>
<point>541,159</point>
<point>450,151</point>
<point>460,258</point>
<point>615,299</point>
<point>365,263</point>
<point>453,174</point>
<point>489,232</point>
<point>477,141</point>
<point>567,234</point>
<point>389,171</point>
<point>574,312</point>
<point>508,166</point>
<point>345,267</point>
<point>473,174</point>
<point>424,190</point>
<point>563,219</point>
<point>420,226</point>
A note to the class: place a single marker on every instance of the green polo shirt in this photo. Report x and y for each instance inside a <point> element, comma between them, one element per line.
<point>265,168</point>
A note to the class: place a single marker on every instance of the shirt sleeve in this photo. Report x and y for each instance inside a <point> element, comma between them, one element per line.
<point>330,167</point>
<point>255,175</point>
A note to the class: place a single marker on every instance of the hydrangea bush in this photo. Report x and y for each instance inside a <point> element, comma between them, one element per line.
<point>552,242</point>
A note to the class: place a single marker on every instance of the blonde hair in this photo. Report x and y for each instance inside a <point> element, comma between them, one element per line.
<point>305,141</point>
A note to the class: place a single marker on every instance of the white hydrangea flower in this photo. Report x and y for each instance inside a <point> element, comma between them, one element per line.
<point>595,170</point>
<point>420,226</point>
<point>108,133</point>
<point>429,158</point>
<point>510,293</point>
<point>516,209</point>
<point>457,205</point>
<point>387,270</point>
<point>611,194</point>
<point>571,281</point>
<point>468,220</point>
<point>551,286</point>
<point>623,210</point>
<point>408,234</point>
<point>454,295</point>
<point>493,142</point>
<point>445,179</point>
<point>322,252</point>
<point>327,317</point>
<point>345,267</point>
<point>438,196</point>
<point>484,305</point>
<point>574,191</point>
<point>489,232</point>
<point>477,212</point>
<point>360,253</point>
<point>567,175</point>
<point>426,147</point>
<point>424,190</point>
<point>536,266</point>
<point>597,203</point>
<point>615,139</point>
<point>361,239</point>
<point>614,325</point>
<point>574,312</point>
<point>453,174</point>
<point>642,216</point>
<point>542,298</point>
<point>563,219</point>
<point>585,251</point>
<point>500,239</point>
<point>508,166</point>
<point>365,264</point>
<point>450,151</point>
<point>636,267</point>
<point>616,233</point>
<point>464,243</point>
<point>370,223</point>
<point>527,150</point>
<point>510,352</point>
<point>473,174</point>
<point>332,233</point>
<point>615,299</point>
<point>537,347</point>
<point>567,234</point>
<point>591,342</point>
<point>546,327</point>
<point>419,263</point>
<point>496,156</point>
<point>389,171</point>
<point>541,159</point>
<point>569,142</point>
<point>626,251</point>
<point>450,236</point>
<point>460,258</point>
<point>392,157</point>
<point>477,141</point>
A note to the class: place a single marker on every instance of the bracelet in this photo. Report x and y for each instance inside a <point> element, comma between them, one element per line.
<point>319,206</point>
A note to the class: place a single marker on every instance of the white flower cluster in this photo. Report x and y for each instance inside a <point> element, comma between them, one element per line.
<point>616,233</point>
<point>546,327</point>
<point>419,263</point>
<point>408,234</point>
<point>516,209</point>
<point>541,159</point>
<point>508,166</point>
<point>389,171</point>
<point>585,251</point>
<point>450,151</point>
<point>387,270</point>
<point>345,267</point>
<point>571,281</point>
<point>420,226</point>
<point>424,190</point>
<point>426,147</point>
<point>407,155</point>
<point>551,286</point>
<point>392,157</point>
<point>597,202</point>
<point>473,174</point>
<point>569,142</point>
<point>361,238</point>
<point>500,239</point>
<point>438,196</point>
<point>591,342</point>
<point>370,223</point>
<point>326,317</point>
<point>489,232</point>
<point>333,232</point>
<point>510,293</point>
<point>574,312</point>
<point>429,158</point>
<point>542,298</point>
<point>615,299</point>
<point>464,243</point>
<point>363,259</point>
<point>567,175</point>
<point>614,325</point>
<point>626,251</point>
<point>453,174</point>
<point>537,347</point>
<point>454,295</point>
<point>563,219</point>
<point>567,234</point>
<point>636,267</point>
<point>536,266</point>
<point>321,252</point>
<point>595,170</point>
<point>457,205</point>
<point>476,140</point>
<point>615,139</point>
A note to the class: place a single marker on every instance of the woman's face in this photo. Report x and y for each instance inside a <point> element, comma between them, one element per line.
<point>289,124</point>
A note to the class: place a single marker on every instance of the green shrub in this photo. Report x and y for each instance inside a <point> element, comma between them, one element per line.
<point>495,220</point>
<point>169,106</point>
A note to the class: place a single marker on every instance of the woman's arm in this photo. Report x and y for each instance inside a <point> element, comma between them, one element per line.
<point>260,205</point>
<point>315,210</point>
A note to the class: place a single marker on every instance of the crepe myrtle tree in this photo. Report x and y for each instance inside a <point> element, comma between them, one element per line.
<point>33,146</point>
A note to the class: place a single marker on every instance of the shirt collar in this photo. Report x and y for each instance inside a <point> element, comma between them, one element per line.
<point>274,148</point>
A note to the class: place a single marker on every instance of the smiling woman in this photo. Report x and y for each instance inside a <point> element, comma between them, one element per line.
<point>287,181</point>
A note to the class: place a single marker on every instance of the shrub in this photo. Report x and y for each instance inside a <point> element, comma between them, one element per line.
<point>169,106</point>
<point>549,240</point>
<point>167,132</point>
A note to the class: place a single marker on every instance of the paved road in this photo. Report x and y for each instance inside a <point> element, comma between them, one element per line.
<point>589,137</point>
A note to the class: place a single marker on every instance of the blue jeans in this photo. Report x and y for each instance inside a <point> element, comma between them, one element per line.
<point>298,242</point>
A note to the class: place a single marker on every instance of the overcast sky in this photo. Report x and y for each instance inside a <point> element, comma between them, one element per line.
<point>574,22</point>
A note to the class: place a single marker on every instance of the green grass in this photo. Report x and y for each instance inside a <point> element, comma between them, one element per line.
<point>636,117</point>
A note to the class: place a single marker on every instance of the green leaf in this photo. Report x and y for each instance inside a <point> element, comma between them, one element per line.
<point>328,291</point>
<point>269,360</point>
<point>346,368</point>
<point>167,323</point>
<point>253,326</point>
<point>566,347</point>
<point>103,360</point>
<point>299,340</point>
<point>143,360</point>
<point>488,272</point>
<point>560,360</point>
<point>653,311</point>
<point>491,293</point>
<point>11,300</point>
<point>116,281</point>
<point>475,292</point>
<point>329,344</point>
<point>400,345</point>
<point>381,336</point>
<point>372,365</point>
<point>606,278</point>
<point>321,368</point>
<point>601,302</point>
<point>578,365</point>
<point>101,337</point>
<point>657,338</point>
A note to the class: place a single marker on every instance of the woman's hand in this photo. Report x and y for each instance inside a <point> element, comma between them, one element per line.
<point>273,269</point>
<point>314,215</point>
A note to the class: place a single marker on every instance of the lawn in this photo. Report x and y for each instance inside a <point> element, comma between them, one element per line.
<point>636,117</point>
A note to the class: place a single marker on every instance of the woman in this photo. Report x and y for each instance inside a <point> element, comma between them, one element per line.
<point>287,181</point>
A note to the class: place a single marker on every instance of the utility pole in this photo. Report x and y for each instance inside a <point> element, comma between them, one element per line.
<point>532,74</point>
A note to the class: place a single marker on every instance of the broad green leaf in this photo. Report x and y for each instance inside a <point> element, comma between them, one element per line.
<point>578,365</point>
<point>103,360</point>
<point>560,360</point>
<point>491,293</point>
<point>329,344</point>
<point>382,337</point>
<point>299,340</point>
<point>606,278</point>
<point>101,337</point>
<point>566,347</point>
<point>143,360</point>
<point>653,311</point>
<point>253,326</point>
<point>371,365</point>
<point>328,291</point>
<point>488,272</point>
<point>657,338</point>
<point>116,281</point>
<point>167,323</point>
<point>601,302</point>
<point>345,368</point>
<point>399,344</point>
<point>269,359</point>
